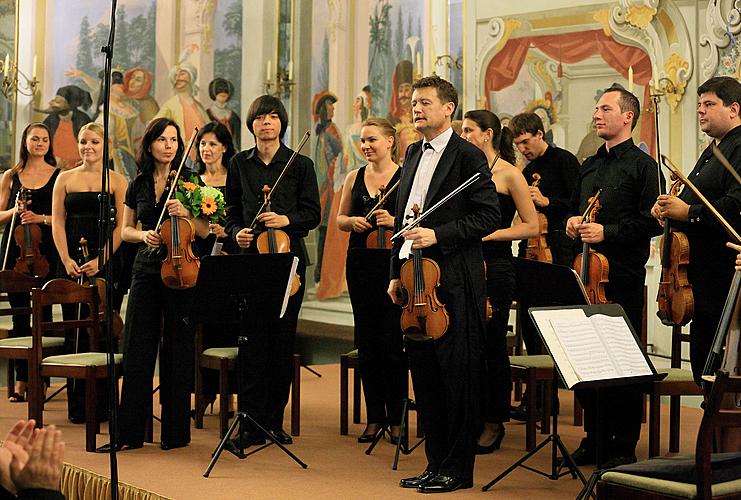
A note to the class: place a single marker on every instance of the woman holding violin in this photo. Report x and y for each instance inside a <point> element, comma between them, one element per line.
<point>483,129</point>
<point>154,310</point>
<point>294,211</point>
<point>75,214</point>
<point>28,226</point>
<point>366,211</point>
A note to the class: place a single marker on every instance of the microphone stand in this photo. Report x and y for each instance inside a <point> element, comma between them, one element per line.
<point>106,223</point>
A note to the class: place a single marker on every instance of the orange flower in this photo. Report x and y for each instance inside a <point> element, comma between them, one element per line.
<point>189,186</point>
<point>208,206</point>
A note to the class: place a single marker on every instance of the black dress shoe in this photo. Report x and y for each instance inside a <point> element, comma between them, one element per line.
<point>485,450</point>
<point>585,454</point>
<point>281,436</point>
<point>521,412</point>
<point>171,446</point>
<point>444,484</point>
<point>247,438</point>
<point>106,448</point>
<point>417,481</point>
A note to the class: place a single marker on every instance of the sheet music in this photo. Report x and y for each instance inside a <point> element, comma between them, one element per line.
<point>287,295</point>
<point>591,348</point>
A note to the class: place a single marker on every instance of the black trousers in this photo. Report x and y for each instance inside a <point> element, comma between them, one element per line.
<point>266,361</point>
<point>497,385</point>
<point>617,420</point>
<point>156,312</point>
<point>446,375</point>
<point>378,336</point>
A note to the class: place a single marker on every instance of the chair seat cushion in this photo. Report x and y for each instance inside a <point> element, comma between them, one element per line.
<point>81,359</point>
<point>27,341</point>
<point>221,352</point>
<point>725,467</point>
<point>676,375</point>
<point>535,361</point>
<point>673,488</point>
<point>352,354</point>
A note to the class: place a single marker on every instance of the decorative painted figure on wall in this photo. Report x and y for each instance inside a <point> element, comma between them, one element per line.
<point>221,90</point>
<point>65,120</point>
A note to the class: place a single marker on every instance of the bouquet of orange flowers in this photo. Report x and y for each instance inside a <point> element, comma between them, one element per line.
<point>198,199</point>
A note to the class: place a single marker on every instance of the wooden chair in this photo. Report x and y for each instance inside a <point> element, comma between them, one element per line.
<point>224,361</point>
<point>90,366</point>
<point>702,475</point>
<point>19,348</point>
<point>678,382</point>
<point>349,361</point>
<point>537,373</point>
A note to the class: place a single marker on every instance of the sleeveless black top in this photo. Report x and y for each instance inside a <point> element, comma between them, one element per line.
<point>40,204</point>
<point>501,249</point>
<point>83,211</point>
<point>362,202</point>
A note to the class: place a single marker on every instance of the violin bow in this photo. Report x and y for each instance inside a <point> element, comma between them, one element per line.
<point>422,216</point>
<point>290,162</point>
<point>592,203</point>
<point>10,230</point>
<point>674,170</point>
<point>383,198</point>
<point>177,174</point>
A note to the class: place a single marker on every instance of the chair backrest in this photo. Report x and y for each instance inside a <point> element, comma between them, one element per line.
<point>721,413</point>
<point>63,291</point>
<point>15,282</point>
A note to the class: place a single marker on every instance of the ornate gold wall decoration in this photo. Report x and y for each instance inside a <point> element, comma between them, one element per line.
<point>640,15</point>
<point>602,16</point>
<point>503,31</point>
<point>673,68</point>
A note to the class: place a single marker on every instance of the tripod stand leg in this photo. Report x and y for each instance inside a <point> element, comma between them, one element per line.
<point>379,435</point>
<point>515,465</point>
<point>217,452</point>
<point>310,369</point>
<point>588,490</point>
<point>402,433</point>
<point>269,436</point>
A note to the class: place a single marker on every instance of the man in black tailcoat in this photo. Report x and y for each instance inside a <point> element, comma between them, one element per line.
<point>446,371</point>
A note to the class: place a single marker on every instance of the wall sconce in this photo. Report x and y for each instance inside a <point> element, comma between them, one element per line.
<point>280,84</point>
<point>14,80</point>
<point>449,61</point>
<point>662,87</point>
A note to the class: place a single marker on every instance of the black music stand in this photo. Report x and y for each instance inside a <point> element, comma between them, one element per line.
<point>228,287</point>
<point>543,284</point>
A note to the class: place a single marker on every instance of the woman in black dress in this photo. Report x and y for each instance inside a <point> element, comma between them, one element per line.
<point>37,172</point>
<point>153,310</point>
<point>383,365</point>
<point>75,214</point>
<point>483,129</point>
<point>215,150</point>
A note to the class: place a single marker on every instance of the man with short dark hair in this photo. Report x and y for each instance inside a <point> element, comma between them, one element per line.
<point>622,232</point>
<point>446,371</point>
<point>294,210</point>
<point>710,270</point>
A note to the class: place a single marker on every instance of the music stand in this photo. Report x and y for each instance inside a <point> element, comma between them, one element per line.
<point>228,287</point>
<point>543,284</point>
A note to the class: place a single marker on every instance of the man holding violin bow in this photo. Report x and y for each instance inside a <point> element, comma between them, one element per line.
<point>446,371</point>
<point>711,264</point>
<point>628,179</point>
<point>294,211</point>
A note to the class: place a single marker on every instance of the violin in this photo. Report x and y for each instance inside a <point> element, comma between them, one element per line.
<point>100,283</point>
<point>276,241</point>
<point>592,267</point>
<point>537,246</point>
<point>675,300</point>
<point>423,316</point>
<point>28,238</point>
<point>180,266</point>
<point>381,236</point>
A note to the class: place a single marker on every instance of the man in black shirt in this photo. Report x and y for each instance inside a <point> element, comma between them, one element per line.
<point>294,210</point>
<point>711,263</point>
<point>622,232</point>
<point>559,172</point>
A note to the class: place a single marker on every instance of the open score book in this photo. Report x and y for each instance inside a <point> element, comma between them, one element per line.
<point>588,348</point>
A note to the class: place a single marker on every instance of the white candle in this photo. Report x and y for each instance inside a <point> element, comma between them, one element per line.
<point>419,64</point>
<point>6,66</point>
<point>630,79</point>
<point>269,73</point>
<point>655,76</point>
<point>33,70</point>
<point>289,70</point>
